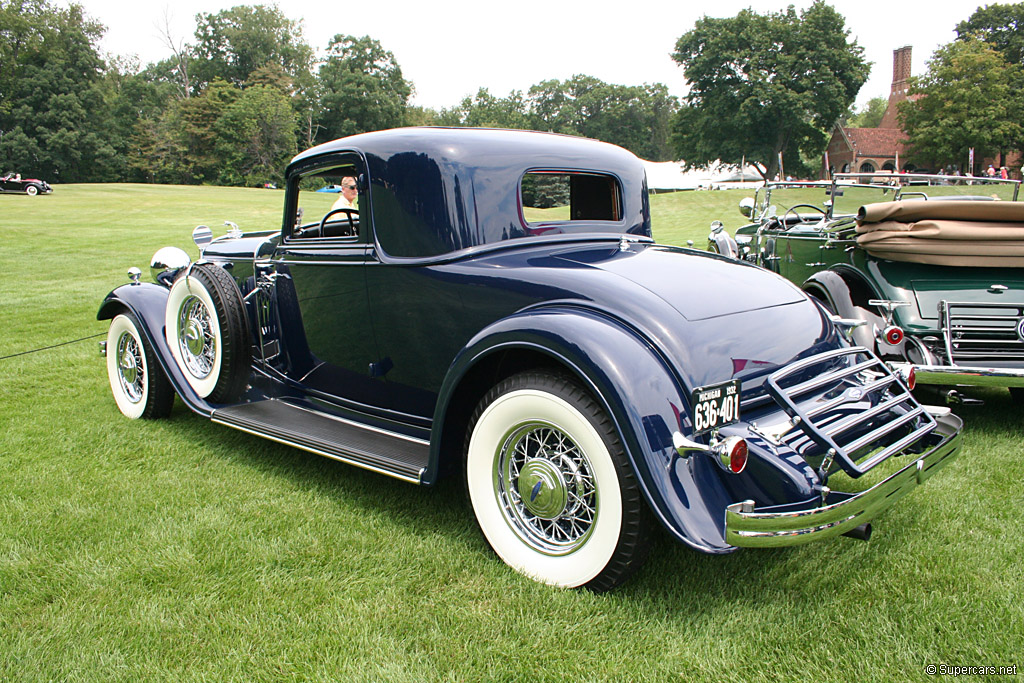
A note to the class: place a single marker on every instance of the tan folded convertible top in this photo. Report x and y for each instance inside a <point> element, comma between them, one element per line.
<point>945,233</point>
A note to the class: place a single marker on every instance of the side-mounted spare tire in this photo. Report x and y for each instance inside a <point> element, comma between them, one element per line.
<point>206,331</point>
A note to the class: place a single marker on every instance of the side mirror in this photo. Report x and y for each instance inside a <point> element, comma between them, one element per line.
<point>747,206</point>
<point>202,236</point>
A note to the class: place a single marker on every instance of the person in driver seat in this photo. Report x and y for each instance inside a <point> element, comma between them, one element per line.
<point>349,195</point>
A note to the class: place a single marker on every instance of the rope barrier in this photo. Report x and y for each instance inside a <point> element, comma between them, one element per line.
<point>54,346</point>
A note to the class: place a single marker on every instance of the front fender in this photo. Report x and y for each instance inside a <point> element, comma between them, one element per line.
<point>148,303</point>
<point>640,392</point>
<point>721,243</point>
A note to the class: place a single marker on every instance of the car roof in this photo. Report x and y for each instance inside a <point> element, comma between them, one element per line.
<point>441,190</point>
<point>484,145</point>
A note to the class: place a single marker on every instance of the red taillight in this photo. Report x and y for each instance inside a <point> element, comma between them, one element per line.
<point>911,379</point>
<point>893,335</point>
<point>738,457</point>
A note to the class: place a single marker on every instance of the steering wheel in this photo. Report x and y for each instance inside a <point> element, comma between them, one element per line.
<point>345,210</point>
<point>791,210</point>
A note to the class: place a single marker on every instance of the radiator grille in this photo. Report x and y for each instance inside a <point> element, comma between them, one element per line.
<point>982,334</point>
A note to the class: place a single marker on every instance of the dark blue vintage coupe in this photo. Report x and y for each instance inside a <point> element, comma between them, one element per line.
<point>587,382</point>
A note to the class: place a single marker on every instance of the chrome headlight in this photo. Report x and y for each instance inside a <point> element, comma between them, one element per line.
<point>167,259</point>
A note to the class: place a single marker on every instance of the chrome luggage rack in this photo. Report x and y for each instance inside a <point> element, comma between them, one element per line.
<point>852,410</point>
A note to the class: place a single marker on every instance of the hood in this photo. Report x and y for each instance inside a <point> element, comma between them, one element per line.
<point>243,248</point>
<point>929,285</point>
<point>930,293</point>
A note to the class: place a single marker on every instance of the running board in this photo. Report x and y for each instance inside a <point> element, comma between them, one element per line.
<point>385,452</point>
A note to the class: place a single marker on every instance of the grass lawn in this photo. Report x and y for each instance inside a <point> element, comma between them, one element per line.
<point>178,550</point>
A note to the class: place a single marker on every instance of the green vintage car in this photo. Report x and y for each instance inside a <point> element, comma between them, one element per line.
<point>927,271</point>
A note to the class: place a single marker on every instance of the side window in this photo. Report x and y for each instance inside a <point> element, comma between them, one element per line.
<point>559,197</point>
<point>328,202</point>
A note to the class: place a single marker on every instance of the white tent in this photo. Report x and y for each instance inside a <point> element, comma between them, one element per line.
<point>668,176</point>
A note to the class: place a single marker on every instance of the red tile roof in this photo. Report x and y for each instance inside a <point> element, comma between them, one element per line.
<point>876,141</point>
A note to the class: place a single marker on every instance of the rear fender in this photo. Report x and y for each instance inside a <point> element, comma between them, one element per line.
<point>847,297</point>
<point>639,391</point>
<point>148,302</point>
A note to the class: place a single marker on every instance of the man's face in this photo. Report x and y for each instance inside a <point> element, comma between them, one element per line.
<point>348,188</point>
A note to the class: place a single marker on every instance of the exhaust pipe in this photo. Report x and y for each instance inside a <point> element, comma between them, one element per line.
<point>955,398</point>
<point>862,532</point>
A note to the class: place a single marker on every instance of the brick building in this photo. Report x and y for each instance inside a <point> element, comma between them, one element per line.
<point>866,150</point>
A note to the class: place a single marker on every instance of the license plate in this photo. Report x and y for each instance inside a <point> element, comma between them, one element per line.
<point>715,406</point>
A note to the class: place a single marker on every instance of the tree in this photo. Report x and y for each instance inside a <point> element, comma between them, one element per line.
<point>636,117</point>
<point>233,43</point>
<point>969,97</point>
<point>53,113</point>
<point>177,65</point>
<point>128,97</point>
<point>871,115</point>
<point>362,88</point>
<point>1001,26</point>
<point>183,145</point>
<point>761,85</point>
<point>487,111</point>
<point>255,137</point>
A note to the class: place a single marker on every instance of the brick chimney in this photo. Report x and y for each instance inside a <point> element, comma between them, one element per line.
<point>898,91</point>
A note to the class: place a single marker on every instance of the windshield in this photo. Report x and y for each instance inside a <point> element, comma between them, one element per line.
<point>848,198</point>
<point>807,198</point>
<point>924,187</point>
<point>848,192</point>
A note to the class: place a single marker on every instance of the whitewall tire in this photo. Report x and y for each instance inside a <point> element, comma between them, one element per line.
<point>137,381</point>
<point>550,485</point>
<point>207,334</point>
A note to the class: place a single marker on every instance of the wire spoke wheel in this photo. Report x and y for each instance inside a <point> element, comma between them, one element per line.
<point>131,368</point>
<point>551,487</point>
<point>139,385</point>
<point>546,487</point>
<point>196,339</point>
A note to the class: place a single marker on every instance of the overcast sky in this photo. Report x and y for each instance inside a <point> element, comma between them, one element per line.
<point>450,48</point>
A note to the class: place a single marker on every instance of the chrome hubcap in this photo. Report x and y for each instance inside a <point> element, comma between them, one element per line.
<point>195,337</point>
<point>130,368</point>
<point>542,490</point>
<point>546,488</point>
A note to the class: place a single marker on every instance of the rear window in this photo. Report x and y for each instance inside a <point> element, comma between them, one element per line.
<point>559,197</point>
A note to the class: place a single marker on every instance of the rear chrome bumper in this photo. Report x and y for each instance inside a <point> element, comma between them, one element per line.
<point>746,527</point>
<point>952,375</point>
